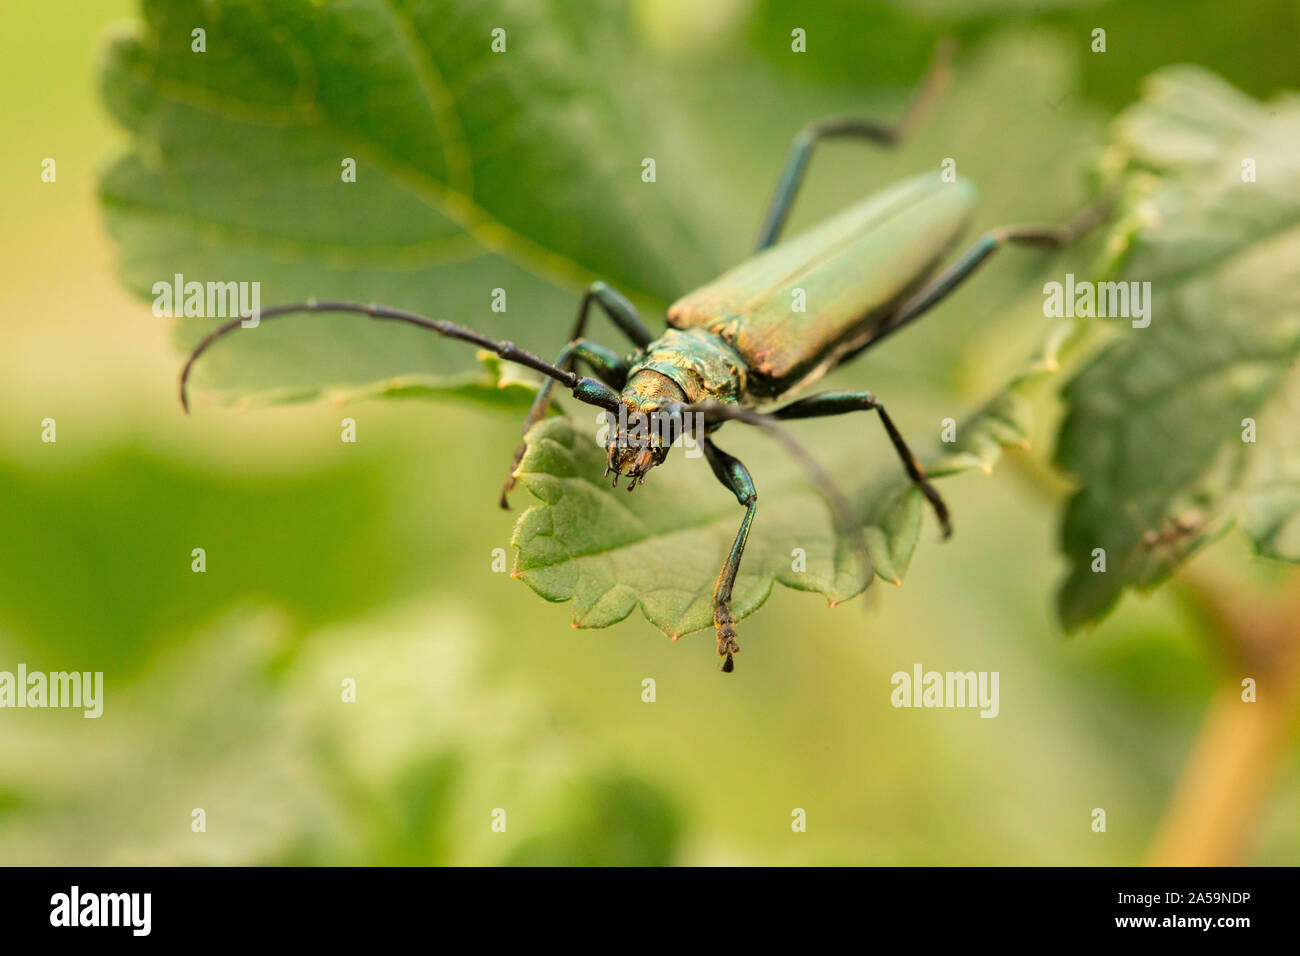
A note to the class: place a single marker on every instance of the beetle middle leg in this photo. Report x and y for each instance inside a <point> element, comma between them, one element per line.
<point>732,473</point>
<point>838,403</point>
<point>608,366</point>
<point>935,79</point>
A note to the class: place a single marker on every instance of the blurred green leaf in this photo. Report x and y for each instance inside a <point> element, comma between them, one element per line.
<point>891,38</point>
<point>438,748</point>
<point>607,819</point>
<point>258,734</point>
<point>1155,428</point>
<point>97,559</point>
<point>202,727</point>
<point>475,171</point>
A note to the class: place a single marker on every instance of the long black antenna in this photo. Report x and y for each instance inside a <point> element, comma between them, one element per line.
<point>591,392</point>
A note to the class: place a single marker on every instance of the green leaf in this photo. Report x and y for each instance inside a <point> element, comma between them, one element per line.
<point>661,547</point>
<point>1155,426</point>
<point>475,171</point>
<point>495,384</point>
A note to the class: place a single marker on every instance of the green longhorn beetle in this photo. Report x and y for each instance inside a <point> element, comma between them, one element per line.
<point>736,344</point>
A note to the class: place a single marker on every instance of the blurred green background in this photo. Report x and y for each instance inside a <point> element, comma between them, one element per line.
<point>373,561</point>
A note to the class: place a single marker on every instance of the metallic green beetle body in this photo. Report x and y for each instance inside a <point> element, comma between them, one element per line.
<point>699,362</point>
<point>853,270</point>
<point>788,315</point>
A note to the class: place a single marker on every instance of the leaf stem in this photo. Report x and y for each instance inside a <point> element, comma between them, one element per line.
<point>1224,786</point>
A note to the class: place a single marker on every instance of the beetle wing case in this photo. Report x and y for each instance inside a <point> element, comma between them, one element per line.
<point>793,310</point>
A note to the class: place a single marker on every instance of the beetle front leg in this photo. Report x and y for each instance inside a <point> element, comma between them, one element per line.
<point>838,403</point>
<point>608,366</point>
<point>732,473</point>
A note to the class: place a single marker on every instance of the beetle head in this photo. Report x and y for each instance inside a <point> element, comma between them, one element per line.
<point>634,460</point>
<point>643,429</point>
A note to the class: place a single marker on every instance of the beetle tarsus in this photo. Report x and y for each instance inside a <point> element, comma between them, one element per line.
<point>512,479</point>
<point>936,502</point>
<point>728,646</point>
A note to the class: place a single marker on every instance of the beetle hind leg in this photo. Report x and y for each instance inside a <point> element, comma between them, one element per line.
<point>1038,237</point>
<point>883,134</point>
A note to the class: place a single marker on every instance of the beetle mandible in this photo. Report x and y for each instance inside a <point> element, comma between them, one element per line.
<point>735,344</point>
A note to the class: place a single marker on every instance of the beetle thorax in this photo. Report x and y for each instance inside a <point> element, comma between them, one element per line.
<point>699,363</point>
